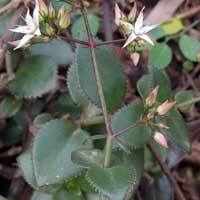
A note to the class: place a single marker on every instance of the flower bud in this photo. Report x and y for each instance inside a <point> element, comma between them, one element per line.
<point>162,126</point>
<point>119,15</point>
<point>64,21</point>
<point>135,57</point>
<point>52,12</point>
<point>61,12</point>
<point>165,107</point>
<point>159,138</point>
<point>132,14</point>
<point>150,115</point>
<point>151,99</point>
<point>43,8</point>
<point>49,30</point>
<point>141,43</point>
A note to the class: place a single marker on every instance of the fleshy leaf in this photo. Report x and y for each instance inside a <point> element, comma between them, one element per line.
<point>52,150</point>
<point>160,56</point>
<point>190,47</point>
<point>40,196</point>
<point>114,182</point>
<point>128,115</point>
<point>88,157</point>
<point>112,77</point>
<point>155,78</point>
<point>9,107</point>
<point>58,50</point>
<point>34,77</point>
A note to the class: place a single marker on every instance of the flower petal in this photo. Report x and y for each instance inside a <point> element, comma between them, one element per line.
<point>147,38</point>
<point>146,29</point>
<point>36,13</point>
<point>130,39</point>
<point>139,21</point>
<point>24,40</point>
<point>29,19</point>
<point>22,29</point>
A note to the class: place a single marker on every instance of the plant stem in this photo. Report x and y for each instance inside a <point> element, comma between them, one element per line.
<point>96,71</point>
<point>108,152</point>
<point>93,121</point>
<point>110,42</point>
<point>141,121</point>
<point>8,58</point>
<point>167,172</point>
<point>184,104</point>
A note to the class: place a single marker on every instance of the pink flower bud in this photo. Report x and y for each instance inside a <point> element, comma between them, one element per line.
<point>132,14</point>
<point>119,15</point>
<point>151,99</point>
<point>159,138</point>
<point>135,57</point>
<point>165,107</point>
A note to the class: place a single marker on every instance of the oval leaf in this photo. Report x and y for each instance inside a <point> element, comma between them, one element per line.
<point>34,77</point>
<point>52,150</point>
<point>160,56</point>
<point>88,157</point>
<point>114,182</point>
<point>190,47</point>
<point>112,77</point>
<point>9,107</point>
<point>134,137</point>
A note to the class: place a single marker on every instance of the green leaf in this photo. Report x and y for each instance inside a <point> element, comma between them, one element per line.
<point>114,182</point>
<point>156,78</point>
<point>188,65</point>
<point>184,96</point>
<point>25,164</point>
<point>42,119</point>
<point>157,32</point>
<point>79,25</point>
<point>135,159</point>
<point>58,50</point>
<point>74,88</point>
<point>178,132</point>
<point>35,76</point>
<point>9,107</point>
<point>63,194</point>
<point>52,150</point>
<point>88,157</point>
<point>172,27</point>
<point>40,196</point>
<point>160,56</point>
<point>190,47</point>
<point>128,115</point>
<point>112,77</point>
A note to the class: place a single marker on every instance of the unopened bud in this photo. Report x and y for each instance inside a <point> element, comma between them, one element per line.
<point>159,138</point>
<point>151,99</point>
<point>141,43</point>
<point>119,15</point>
<point>49,30</point>
<point>52,12</point>
<point>135,57</point>
<point>132,14</point>
<point>162,126</point>
<point>165,107</point>
<point>64,18</point>
<point>43,8</point>
<point>150,115</point>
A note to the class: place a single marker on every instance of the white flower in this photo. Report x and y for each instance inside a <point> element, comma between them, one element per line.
<point>31,29</point>
<point>138,30</point>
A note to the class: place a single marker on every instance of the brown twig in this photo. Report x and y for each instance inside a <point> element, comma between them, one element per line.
<point>167,172</point>
<point>189,13</point>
